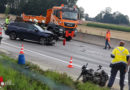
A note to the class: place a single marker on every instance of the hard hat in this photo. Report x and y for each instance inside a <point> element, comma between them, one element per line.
<point>122,43</point>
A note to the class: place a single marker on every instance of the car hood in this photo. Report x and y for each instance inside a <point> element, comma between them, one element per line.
<point>48,32</point>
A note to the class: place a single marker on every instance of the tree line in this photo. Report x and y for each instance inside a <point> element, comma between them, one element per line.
<point>39,7</point>
<point>107,16</point>
<point>32,7</point>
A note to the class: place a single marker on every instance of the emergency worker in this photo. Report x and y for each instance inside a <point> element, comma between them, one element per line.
<point>120,57</point>
<point>7,20</point>
<point>128,73</point>
<point>107,43</point>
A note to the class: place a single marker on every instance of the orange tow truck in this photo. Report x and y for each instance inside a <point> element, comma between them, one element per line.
<point>61,20</point>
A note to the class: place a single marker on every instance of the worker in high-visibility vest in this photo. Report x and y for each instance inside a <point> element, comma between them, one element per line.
<point>128,73</point>
<point>128,68</point>
<point>120,57</point>
<point>7,21</point>
<point>107,43</point>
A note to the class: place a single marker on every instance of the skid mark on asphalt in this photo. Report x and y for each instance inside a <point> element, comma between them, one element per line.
<point>11,45</point>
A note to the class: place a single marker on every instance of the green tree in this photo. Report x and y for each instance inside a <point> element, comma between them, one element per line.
<point>99,17</point>
<point>121,19</point>
<point>81,12</point>
<point>7,10</point>
<point>115,18</point>
<point>86,16</point>
<point>35,7</point>
<point>2,5</point>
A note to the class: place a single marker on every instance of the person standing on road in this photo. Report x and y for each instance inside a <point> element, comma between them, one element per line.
<point>120,57</point>
<point>107,43</point>
<point>128,72</point>
<point>7,21</point>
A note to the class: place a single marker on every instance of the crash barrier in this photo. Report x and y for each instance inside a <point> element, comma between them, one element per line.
<point>70,63</point>
<point>81,36</point>
<point>99,77</point>
<point>34,75</point>
<point>21,58</point>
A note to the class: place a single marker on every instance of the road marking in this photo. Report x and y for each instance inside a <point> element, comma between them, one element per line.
<point>40,54</point>
<point>49,57</point>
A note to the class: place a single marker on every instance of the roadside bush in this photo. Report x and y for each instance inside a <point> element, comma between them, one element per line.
<point>109,26</point>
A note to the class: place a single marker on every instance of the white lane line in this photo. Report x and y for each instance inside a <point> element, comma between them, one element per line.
<point>40,54</point>
<point>49,56</point>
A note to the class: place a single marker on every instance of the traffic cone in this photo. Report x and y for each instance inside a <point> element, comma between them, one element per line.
<point>22,50</point>
<point>21,58</point>
<point>70,63</point>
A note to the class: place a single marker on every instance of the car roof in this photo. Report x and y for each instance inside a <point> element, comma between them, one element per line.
<point>21,23</point>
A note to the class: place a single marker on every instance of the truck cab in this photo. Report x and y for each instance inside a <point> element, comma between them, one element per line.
<point>62,21</point>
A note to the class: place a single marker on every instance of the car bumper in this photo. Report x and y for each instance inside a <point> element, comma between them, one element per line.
<point>50,39</point>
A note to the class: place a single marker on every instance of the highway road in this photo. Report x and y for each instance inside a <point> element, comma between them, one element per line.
<point>57,57</point>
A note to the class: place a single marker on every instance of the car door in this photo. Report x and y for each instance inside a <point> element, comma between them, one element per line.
<point>32,33</point>
<point>22,30</point>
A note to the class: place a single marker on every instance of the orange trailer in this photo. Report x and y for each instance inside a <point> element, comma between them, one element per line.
<point>36,19</point>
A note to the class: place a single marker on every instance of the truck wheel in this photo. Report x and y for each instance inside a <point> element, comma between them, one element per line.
<point>68,38</point>
<point>42,41</point>
<point>13,36</point>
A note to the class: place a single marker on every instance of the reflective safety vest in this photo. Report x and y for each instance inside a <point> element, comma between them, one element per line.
<point>120,54</point>
<point>7,21</point>
<point>108,35</point>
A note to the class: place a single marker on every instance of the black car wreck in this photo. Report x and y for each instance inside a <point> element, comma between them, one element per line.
<point>29,31</point>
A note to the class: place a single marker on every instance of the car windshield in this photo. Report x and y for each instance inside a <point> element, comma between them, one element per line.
<point>39,28</point>
<point>70,15</point>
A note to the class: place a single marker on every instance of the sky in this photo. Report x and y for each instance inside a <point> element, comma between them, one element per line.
<point>93,7</point>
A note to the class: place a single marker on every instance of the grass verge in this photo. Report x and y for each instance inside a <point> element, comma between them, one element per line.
<point>15,80</point>
<point>109,26</point>
<point>22,82</point>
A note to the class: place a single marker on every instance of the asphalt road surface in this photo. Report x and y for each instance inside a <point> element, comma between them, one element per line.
<point>57,57</point>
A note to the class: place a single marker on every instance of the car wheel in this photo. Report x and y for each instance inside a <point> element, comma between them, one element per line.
<point>42,41</point>
<point>13,36</point>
